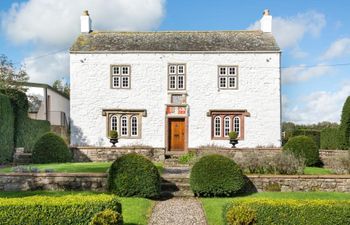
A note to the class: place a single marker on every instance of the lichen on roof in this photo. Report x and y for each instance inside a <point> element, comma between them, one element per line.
<point>175,41</point>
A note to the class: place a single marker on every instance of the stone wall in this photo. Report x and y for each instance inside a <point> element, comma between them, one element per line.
<point>102,154</point>
<point>53,181</point>
<point>295,183</point>
<point>98,182</point>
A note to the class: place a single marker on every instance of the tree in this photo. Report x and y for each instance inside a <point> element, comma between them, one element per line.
<point>10,76</point>
<point>61,87</point>
<point>345,123</point>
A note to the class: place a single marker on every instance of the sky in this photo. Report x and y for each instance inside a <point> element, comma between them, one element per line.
<point>314,36</point>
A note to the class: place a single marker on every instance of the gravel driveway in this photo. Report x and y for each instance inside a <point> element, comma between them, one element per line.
<point>176,211</point>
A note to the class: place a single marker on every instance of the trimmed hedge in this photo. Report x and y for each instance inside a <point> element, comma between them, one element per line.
<point>314,134</point>
<point>27,131</point>
<point>216,175</point>
<point>6,130</point>
<point>45,210</point>
<point>331,138</point>
<point>345,123</point>
<point>134,175</point>
<point>291,212</point>
<point>303,147</point>
<point>51,148</point>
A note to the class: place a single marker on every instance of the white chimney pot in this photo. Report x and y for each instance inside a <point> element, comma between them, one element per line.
<point>85,22</point>
<point>266,21</point>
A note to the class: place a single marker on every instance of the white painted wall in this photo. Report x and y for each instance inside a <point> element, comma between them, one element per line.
<point>259,93</point>
<point>58,104</point>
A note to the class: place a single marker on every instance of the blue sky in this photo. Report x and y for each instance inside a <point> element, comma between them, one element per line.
<point>314,37</point>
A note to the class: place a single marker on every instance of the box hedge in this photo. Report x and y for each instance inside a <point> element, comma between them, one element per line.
<point>331,138</point>
<point>345,124</point>
<point>27,131</point>
<point>6,130</point>
<point>134,175</point>
<point>216,175</point>
<point>291,212</point>
<point>314,134</point>
<point>64,210</point>
<point>303,147</point>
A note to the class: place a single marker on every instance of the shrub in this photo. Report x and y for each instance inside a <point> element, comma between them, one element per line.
<point>26,130</point>
<point>241,215</point>
<point>281,163</point>
<point>51,148</point>
<point>287,163</point>
<point>303,147</point>
<point>107,217</point>
<point>134,175</point>
<point>314,134</point>
<point>331,138</point>
<point>6,130</point>
<point>216,175</point>
<point>113,134</point>
<point>301,212</point>
<point>232,135</point>
<point>345,123</point>
<point>187,158</point>
<point>47,210</point>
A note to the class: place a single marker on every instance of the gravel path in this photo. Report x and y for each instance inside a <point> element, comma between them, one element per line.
<point>178,211</point>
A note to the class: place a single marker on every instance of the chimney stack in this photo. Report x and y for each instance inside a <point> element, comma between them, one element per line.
<point>266,21</point>
<point>85,22</point>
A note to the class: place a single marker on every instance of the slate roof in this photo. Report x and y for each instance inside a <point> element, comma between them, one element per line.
<point>175,41</point>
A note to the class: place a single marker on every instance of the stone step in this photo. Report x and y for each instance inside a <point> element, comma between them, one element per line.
<point>169,194</point>
<point>175,187</point>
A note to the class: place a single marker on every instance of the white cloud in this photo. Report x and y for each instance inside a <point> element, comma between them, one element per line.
<point>52,24</point>
<point>318,106</point>
<point>337,49</point>
<point>302,73</point>
<point>290,31</point>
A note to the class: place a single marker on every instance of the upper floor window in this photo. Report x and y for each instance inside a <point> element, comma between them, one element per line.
<point>177,77</point>
<point>228,77</point>
<point>120,76</point>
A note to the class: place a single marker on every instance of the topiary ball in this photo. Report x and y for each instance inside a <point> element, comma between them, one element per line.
<point>303,147</point>
<point>107,217</point>
<point>51,148</point>
<point>134,175</point>
<point>216,175</point>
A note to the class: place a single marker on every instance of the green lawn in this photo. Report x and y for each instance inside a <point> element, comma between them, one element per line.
<point>86,167</point>
<point>134,210</point>
<point>213,207</point>
<point>317,171</point>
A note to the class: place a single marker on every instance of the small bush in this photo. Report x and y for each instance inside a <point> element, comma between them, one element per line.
<point>313,134</point>
<point>48,210</point>
<point>134,175</point>
<point>303,147</point>
<point>107,217</point>
<point>331,138</point>
<point>241,215</point>
<point>282,163</point>
<point>51,148</point>
<point>216,175</point>
<point>187,158</point>
<point>290,212</point>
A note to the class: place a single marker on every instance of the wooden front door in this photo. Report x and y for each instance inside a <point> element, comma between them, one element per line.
<point>176,134</point>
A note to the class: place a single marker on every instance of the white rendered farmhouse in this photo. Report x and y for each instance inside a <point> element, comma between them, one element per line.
<point>176,89</point>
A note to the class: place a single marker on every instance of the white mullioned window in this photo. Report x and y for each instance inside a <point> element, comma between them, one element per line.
<point>134,126</point>
<point>236,125</point>
<point>120,76</point>
<point>124,126</point>
<point>228,77</point>
<point>177,77</point>
<point>217,126</point>
<point>114,123</point>
<point>227,126</point>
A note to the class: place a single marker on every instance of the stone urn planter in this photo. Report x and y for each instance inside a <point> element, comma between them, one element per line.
<point>113,137</point>
<point>233,139</point>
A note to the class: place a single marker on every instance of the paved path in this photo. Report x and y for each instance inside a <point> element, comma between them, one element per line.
<point>178,211</point>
